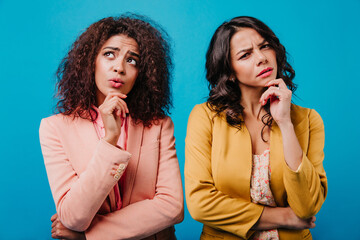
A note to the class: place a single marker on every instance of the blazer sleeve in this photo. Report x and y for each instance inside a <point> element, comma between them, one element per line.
<point>205,202</point>
<point>78,197</point>
<point>307,187</point>
<point>144,218</point>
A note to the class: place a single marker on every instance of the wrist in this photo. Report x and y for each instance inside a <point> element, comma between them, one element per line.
<point>111,139</point>
<point>285,125</point>
<point>276,216</point>
<point>287,217</point>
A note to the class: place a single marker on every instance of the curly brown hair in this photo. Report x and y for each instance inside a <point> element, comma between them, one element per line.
<point>225,94</point>
<point>150,97</point>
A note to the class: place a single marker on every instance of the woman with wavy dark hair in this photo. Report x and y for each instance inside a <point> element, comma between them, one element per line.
<point>110,151</point>
<point>254,161</point>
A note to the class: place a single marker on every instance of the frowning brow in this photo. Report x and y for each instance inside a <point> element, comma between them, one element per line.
<point>118,49</point>
<point>249,49</point>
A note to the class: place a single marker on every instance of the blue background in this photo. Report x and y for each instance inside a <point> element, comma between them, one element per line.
<point>321,37</point>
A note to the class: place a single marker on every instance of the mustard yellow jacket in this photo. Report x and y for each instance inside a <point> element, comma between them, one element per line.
<point>218,170</point>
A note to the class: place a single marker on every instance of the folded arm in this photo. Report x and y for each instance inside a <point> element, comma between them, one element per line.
<point>205,202</point>
<point>307,187</point>
<point>78,197</point>
<point>149,216</point>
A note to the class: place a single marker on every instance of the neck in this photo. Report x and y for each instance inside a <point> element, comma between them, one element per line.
<point>99,98</point>
<point>250,97</point>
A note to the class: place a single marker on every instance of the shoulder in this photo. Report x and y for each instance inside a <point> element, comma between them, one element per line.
<point>59,122</point>
<point>166,123</point>
<point>56,119</point>
<point>299,114</point>
<point>202,112</point>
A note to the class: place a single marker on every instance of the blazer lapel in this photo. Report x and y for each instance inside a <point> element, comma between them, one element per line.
<point>134,142</point>
<point>276,163</point>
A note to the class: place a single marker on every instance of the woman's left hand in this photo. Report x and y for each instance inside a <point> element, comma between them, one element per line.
<point>280,100</point>
<point>59,231</point>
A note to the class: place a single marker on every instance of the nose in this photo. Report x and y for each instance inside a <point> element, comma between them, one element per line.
<point>119,67</point>
<point>260,58</point>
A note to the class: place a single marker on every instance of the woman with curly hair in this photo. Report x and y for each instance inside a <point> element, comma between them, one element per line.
<point>254,161</point>
<point>110,151</point>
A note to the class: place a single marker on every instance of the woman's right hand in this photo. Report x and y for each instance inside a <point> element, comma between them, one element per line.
<point>111,111</point>
<point>294,222</point>
<point>59,231</point>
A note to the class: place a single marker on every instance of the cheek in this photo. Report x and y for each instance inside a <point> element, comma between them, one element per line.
<point>273,56</point>
<point>242,70</point>
<point>98,68</point>
<point>134,74</point>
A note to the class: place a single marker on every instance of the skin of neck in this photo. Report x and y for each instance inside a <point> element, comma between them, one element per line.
<point>250,97</point>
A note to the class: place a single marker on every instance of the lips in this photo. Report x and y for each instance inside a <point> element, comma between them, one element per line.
<point>265,72</point>
<point>116,82</point>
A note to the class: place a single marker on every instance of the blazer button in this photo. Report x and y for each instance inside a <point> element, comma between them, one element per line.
<point>117,176</point>
<point>122,167</point>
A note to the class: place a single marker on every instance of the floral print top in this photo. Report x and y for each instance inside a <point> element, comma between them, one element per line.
<point>260,190</point>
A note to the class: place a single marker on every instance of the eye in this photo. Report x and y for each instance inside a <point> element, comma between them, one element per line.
<point>265,46</point>
<point>132,61</point>
<point>109,54</point>
<point>244,55</point>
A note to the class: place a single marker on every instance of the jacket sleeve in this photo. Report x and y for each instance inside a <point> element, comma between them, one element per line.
<point>307,187</point>
<point>205,202</point>
<point>147,217</point>
<point>78,197</point>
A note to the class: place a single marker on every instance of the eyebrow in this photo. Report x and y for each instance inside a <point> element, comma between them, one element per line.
<point>118,49</point>
<point>248,49</point>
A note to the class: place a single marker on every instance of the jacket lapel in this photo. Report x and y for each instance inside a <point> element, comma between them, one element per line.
<point>134,142</point>
<point>276,164</point>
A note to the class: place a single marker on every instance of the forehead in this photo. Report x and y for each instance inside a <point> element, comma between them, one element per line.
<point>121,41</point>
<point>245,38</point>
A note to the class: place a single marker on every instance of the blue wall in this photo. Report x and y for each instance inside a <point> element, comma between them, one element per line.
<point>321,37</point>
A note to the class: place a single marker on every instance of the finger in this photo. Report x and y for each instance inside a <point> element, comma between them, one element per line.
<point>119,108</point>
<point>268,94</point>
<point>110,106</point>
<point>53,217</point>
<point>279,82</point>
<point>116,94</point>
<point>312,225</point>
<point>122,107</point>
<point>54,224</point>
<point>112,100</point>
<point>54,235</point>
<point>112,95</point>
<point>119,104</point>
<point>120,111</point>
<point>123,104</point>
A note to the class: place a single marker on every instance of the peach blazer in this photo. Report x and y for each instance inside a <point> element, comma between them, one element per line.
<point>78,166</point>
<point>218,165</point>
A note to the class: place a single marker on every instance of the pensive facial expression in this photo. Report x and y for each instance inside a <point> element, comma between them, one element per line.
<point>116,66</point>
<point>253,60</point>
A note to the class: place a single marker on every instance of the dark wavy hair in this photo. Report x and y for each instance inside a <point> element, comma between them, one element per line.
<point>150,97</point>
<point>225,94</point>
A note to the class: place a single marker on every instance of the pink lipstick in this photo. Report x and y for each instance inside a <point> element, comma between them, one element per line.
<point>116,82</point>
<point>265,72</point>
